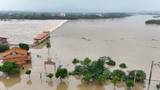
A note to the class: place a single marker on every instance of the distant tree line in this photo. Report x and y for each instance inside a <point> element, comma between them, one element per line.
<point>45,16</point>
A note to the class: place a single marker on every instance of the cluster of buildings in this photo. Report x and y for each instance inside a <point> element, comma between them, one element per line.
<point>18,55</point>
<point>15,54</point>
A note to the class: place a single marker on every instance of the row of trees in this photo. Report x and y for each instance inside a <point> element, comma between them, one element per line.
<point>96,71</point>
<point>45,15</point>
<point>89,71</point>
<point>61,73</point>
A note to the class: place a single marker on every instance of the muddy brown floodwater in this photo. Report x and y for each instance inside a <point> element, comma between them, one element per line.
<point>126,40</point>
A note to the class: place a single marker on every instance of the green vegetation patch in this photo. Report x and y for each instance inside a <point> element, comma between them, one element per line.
<point>96,71</point>
<point>123,65</point>
<point>152,21</point>
<point>10,68</point>
<point>24,46</point>
<point>61,73</point>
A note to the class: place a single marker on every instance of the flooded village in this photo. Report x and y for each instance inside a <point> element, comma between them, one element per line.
<point>63,55</point>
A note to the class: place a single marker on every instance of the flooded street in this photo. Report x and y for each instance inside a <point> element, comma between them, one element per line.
<point>126,40</point>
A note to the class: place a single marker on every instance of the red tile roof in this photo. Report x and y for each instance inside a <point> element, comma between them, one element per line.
<point>21,56</point>
<point>42,35</point>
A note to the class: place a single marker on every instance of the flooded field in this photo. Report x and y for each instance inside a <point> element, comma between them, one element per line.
<point>126,40</point>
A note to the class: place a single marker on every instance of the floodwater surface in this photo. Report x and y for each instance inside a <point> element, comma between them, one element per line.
<point>127,40</point>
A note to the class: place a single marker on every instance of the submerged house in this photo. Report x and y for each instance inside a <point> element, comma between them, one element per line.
<point>41,37</point>
<point>17,55</point>
<point>3,41</point>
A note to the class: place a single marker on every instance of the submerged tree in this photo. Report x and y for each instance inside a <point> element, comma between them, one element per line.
<point>48,45</point>
<point>123,65</point>
<point>158,86</point>
<point>106,74</point>
<point>129,83</point>
<point>96,71</point>
<point>61,73</point>
<point>10,68</point>
<point>24,46</point>
<point>138,75</point>
<point>50,75</point>
<point>28,72</point>
<point>110,62</point>
<point>75,61</point>
<point>115,80</point>
<point>91,70</point>
<point>119,74</point>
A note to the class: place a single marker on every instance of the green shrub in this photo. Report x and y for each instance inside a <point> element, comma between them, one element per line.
<point>50,75</point>
<point>106,74</point>
<point>110,62</point>
<point>103,58</point>
<point>61,73</point>
<point>158,86</point>
<point>48,45</point>
<point>122,65</point>
<point>138,75</point>
<point>152,21</point>
<point>86,61</point>
<point>24,46</point>
<point>119,74</point>
<point>78,70</point>
<point>87,77</point>
<point>95,71</point>
<point>129,83</point>
<point>75,61</point>
<point>28,72</point>
<point>10,68</point>
<point>91,70</point>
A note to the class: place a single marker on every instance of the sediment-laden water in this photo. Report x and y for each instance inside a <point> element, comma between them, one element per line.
<point>126,40</point>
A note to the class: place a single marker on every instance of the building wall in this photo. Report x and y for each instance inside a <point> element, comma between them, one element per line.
<point>3,41</point>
